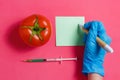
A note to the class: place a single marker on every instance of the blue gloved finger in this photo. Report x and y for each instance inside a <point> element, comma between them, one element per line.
<point>88,25</point>
<point>91,44</point>
<point>85,38</point>
<point>102,33</point>
<point>101,29</point>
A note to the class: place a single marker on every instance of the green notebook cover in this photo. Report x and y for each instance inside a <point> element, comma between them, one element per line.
<point>67,31</point>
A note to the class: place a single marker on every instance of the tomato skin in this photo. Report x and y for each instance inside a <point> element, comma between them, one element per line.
<point>35,30</point>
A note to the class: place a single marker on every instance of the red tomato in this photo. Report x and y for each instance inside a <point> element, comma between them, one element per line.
<point>35,30</point>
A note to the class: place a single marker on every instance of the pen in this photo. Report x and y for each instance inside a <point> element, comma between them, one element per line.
<point>99,41</point>
<point>50,60</point>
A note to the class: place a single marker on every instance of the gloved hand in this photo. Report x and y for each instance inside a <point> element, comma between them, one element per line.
<point>93,53</point>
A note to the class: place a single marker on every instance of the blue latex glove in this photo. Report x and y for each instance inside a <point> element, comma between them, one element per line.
<point>93,53</point>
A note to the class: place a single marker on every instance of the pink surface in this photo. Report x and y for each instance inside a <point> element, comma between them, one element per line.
<point>12,50</point>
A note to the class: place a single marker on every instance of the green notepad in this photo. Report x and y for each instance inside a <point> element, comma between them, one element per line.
<point>67,31</point>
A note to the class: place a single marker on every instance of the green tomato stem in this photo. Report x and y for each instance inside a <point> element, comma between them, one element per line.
<point>36,30</point>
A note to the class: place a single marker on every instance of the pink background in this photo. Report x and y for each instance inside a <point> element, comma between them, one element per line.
<point>13,50</point>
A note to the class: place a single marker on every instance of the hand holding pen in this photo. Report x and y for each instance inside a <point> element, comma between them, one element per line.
<point>99,41</point>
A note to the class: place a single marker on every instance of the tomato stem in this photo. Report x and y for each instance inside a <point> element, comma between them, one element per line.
<point>36,30</point>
